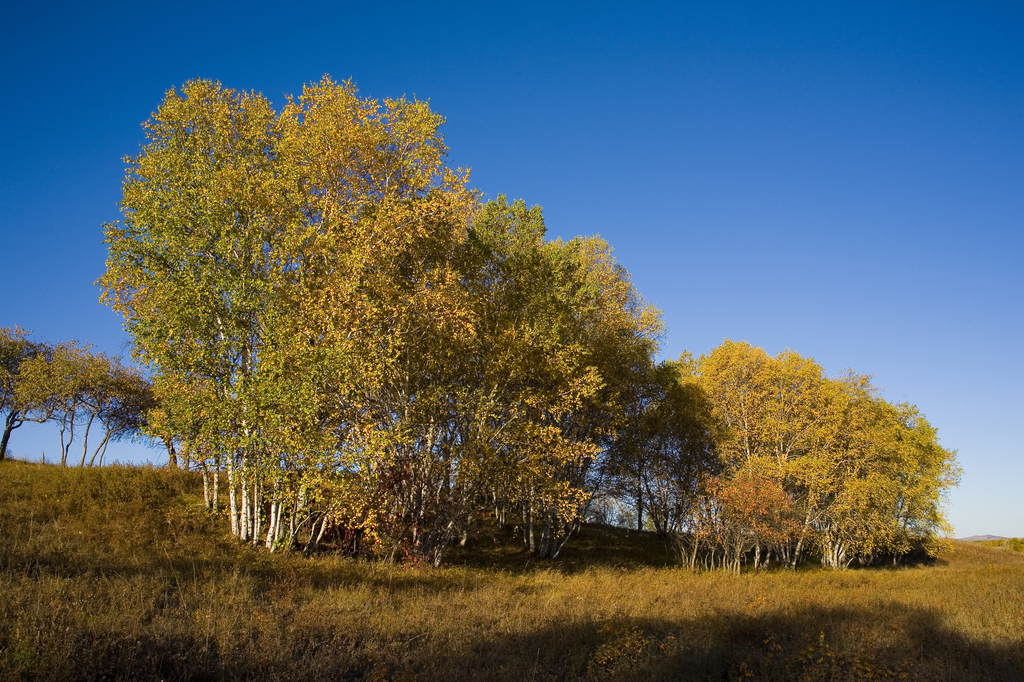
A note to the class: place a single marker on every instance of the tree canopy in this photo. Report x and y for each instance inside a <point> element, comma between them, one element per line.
<point>69,385</point>
<point>334,318</point>
<point>788,458</point>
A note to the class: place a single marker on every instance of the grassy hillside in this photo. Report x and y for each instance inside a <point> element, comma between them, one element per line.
<point>1012,544</point>
<point>117,573</point>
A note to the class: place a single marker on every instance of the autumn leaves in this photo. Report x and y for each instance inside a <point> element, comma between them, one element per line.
<point>66,384</point>
<point>333,318</point>
<point>741,456</point>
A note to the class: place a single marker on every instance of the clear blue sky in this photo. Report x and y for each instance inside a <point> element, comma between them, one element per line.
<point>846,180</point>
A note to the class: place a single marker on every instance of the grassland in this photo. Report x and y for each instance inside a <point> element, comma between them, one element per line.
<point>117,573</point>
<point>1012,544</point>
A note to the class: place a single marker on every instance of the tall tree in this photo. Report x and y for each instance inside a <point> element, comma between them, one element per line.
<point>668,449</point>
<point>330,314</point>
<point>566,337</point>
<point>270,267</point>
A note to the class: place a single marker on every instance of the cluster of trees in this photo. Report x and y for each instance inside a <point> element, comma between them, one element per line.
<point>69,385</point>
<point>743,456</point>
<point>333,318</point>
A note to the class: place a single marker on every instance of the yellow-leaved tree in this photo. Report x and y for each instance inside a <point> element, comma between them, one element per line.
<point>268,265</point>
<point>864,479</point>
<point>332,318</point>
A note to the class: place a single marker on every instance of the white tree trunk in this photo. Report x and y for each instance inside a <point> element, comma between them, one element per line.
<point>216,486</point>
<point>232,499</point>
<point>272,521</point>
<point>256,508</point>
<point>206,487</point>
<point>246,509</point>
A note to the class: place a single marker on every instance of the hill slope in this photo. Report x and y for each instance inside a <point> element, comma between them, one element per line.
<point>117,573</point>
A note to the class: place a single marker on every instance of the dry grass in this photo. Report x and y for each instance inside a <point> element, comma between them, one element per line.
<point>117,574</point>
<point>1012,544</point>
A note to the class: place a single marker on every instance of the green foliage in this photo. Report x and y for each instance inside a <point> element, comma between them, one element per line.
<point>744,457</point>
<point>15,349</point>
<point>332,317</point>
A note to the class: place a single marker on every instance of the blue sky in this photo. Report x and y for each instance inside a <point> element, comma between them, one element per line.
<point>846,180</point>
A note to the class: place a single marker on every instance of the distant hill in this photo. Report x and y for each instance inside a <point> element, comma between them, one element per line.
<point>981,538</point>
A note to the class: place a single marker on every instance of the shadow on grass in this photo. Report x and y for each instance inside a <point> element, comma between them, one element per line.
<point>809,644</point>
<point>593,546</point>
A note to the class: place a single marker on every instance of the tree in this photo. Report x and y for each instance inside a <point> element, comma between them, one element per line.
<point>879,491</point>
<point>667,449</point>
<point>271,268</point>
<point>503,403</point>
<point>122,400</point>
<point>79,389</point>
<point>193,265</point>
<point>15,349</point>
<point>861,473</point>
<point>563,338</point>
<point>54,387</point>
<point>329,313</point>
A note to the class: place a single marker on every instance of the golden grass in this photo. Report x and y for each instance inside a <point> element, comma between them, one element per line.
<point>118,574</point>
<point>1012,544</point>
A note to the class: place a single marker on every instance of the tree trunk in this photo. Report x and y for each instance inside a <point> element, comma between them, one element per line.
<point>216,485</point>
<point>271,527</point>
<point>256,508</point>
<point>12,422</point>
<point>232,500</point>
<point>796,552</point>
<point>278,526</point>
<point>530,529</point>
<point>103,452</point>
<point>100,449</point>
<point>85,438</point>
<point>545,536</point>
<point>172,455</point>
<point>639,507</point>
<point>207,492</point>
<point>315,536</point>
<point>558,544</point>
<point>65,446</point>
<point>272,521</point>
<point>246,509</point>
<point>800,543</point>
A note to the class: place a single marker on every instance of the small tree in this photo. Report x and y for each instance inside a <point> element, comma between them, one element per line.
<point>79,390</point>
<point>15,350</point>
<point>121,399</point>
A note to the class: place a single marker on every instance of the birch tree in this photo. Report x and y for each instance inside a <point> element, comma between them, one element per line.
<point>567,338</point>
<point>263,265</point>
<point>866,478</point>
<point>663,457</point>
